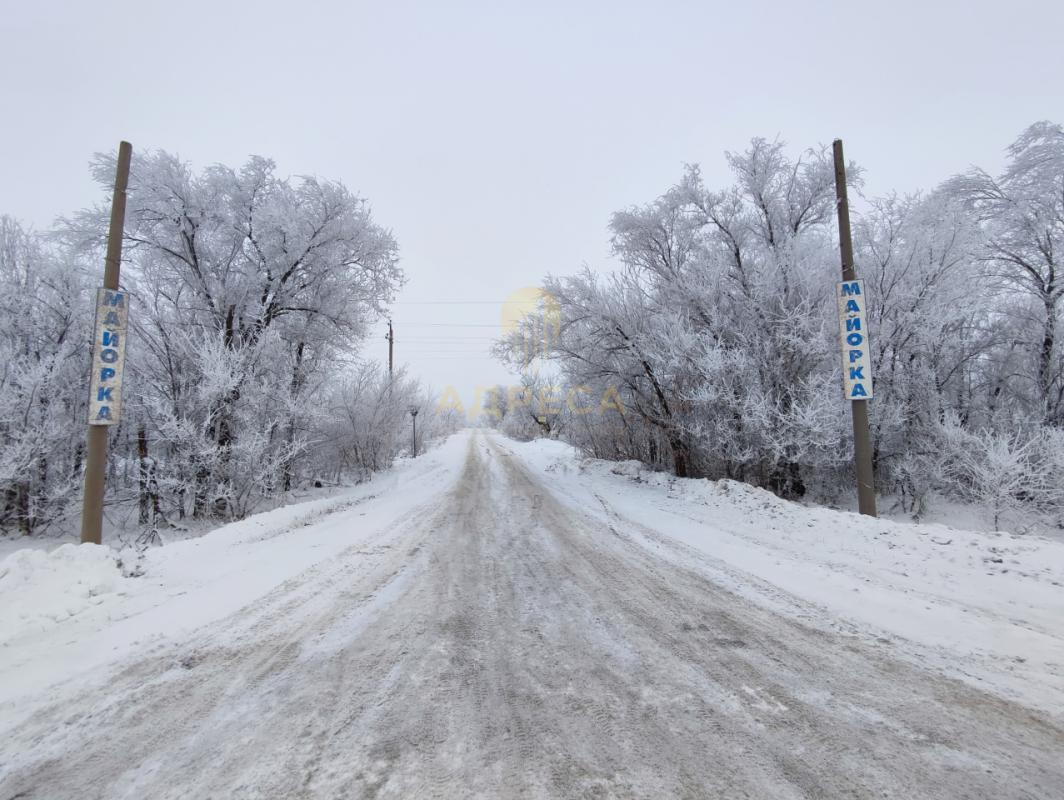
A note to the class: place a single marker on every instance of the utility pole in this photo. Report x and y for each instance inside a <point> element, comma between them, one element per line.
<point>391,342</point>
<point>862,440</point>
<point>413,438</point>
<point>96,455</point>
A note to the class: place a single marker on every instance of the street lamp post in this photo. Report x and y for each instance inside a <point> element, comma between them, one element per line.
<point>413,437</point>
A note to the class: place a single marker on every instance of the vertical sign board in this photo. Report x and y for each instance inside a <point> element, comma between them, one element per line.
<point>108,357</point>
<point>853,329</point>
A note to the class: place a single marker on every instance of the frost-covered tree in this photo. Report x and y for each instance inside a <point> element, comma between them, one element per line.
<point>931,327</point>
<point>718,331</point>
<point>713,332</point>
<point>367,421</point>
<point>1022,212</point>
<point>44,332</point>
<point>250,291</point>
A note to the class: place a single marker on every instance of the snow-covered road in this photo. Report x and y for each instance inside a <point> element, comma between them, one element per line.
<point>492,640</point>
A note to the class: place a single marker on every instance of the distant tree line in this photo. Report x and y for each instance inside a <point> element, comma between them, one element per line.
<point>719,330</point>
<point>251,296</point>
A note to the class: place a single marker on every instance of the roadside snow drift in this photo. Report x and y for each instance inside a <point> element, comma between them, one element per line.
<point>39,590</point>
<point>65,612</point>
<point>987,607</point>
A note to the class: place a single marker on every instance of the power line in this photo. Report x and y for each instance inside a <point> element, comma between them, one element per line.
<point>438,357</point>
<point>447,302</point>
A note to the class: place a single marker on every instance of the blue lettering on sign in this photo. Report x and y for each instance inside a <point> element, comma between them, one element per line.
<point>105,399</point>
<point>849,289</point>
<point>857,361</point>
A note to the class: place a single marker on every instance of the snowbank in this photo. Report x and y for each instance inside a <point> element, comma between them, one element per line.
<point>38,590</point>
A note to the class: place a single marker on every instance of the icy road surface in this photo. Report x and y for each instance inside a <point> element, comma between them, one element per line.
<point>494,642</point>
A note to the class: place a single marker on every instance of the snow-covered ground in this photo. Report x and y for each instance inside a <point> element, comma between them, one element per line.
<point>73,609</point>
<point>984,606</point>
<point>504,619</point>
<point>121,528</point>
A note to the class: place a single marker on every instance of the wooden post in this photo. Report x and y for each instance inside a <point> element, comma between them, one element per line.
<point>144,500</point>
<point>391,341</point>
<point>413,437</point>
<point>96,449</point>
<point>862,440</point>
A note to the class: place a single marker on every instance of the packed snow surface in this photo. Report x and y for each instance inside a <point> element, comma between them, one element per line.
<point>40,590</point>
<point>496,619</point>
<point>987,607</point>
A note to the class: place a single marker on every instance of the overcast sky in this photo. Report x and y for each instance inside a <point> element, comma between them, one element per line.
<point>496,138</point>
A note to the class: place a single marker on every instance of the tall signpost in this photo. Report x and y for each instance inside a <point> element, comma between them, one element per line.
<point>391,344</point>
<point>856,361</point>
<point>108,357</point>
